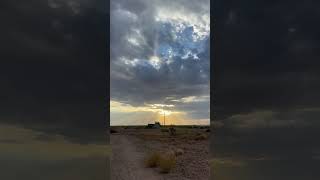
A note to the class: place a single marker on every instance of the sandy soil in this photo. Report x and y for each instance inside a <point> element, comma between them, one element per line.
<point>127,160</point>
<point>129,148</point>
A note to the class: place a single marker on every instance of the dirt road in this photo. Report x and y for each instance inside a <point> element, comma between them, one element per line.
<point>127,160</point>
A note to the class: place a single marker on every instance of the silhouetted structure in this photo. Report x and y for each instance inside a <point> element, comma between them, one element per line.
<point>156,125</point>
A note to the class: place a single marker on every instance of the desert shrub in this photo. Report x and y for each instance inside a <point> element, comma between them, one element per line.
<point>113,131</point>
<point>167,163</point>
<point>172,131</point>
<point>178,152</point>
<point>164,130</point>
<point>153,160</point>
<point>170,152</point>
<point>200,137</point>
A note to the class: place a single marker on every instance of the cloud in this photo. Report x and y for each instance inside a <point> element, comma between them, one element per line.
<point>18,141</point>
<point>262,119</point>
<point>52,120</point>
<point>52,72</point>
<point>259,65</point>
<point>159,50</point>
<point>176,113</point>
<point>266,88</point>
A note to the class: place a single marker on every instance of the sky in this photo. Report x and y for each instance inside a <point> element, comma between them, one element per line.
<point>266,89</point>
<point>53,68</point>
<point>159,62</point>
<point>53,89</point>
<point>53,82</point>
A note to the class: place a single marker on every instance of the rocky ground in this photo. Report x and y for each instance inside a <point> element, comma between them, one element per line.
<point>130,147</point>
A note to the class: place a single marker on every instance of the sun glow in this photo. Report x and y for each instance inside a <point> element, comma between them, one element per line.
<point>157,108</point>
<point>155,62</point>
<point>148,113</point>
<point>164,112</point>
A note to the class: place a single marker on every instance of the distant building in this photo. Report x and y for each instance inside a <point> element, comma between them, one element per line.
<point>156,125</point>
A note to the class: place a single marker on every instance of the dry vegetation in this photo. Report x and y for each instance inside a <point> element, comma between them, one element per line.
<point>112,131</point>
<point>174,152</point>
<point>152,160</point>
<point>165,162</point>
<point>200,137</point>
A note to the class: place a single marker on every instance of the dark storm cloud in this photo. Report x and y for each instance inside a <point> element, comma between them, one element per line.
<point>53,86</point>
<point>137,36</point>
<point>53,64</point>
<point>266,90</point>
<point>195,109</point>
<point>267,60</point>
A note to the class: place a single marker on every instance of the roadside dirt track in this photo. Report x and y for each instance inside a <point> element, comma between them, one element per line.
<point>127,161</point>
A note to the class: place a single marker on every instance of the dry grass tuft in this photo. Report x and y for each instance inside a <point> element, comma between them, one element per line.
<point>200,137</point>
<point>167,163</point>
<point>178,152</point>
<point>153,160</point>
